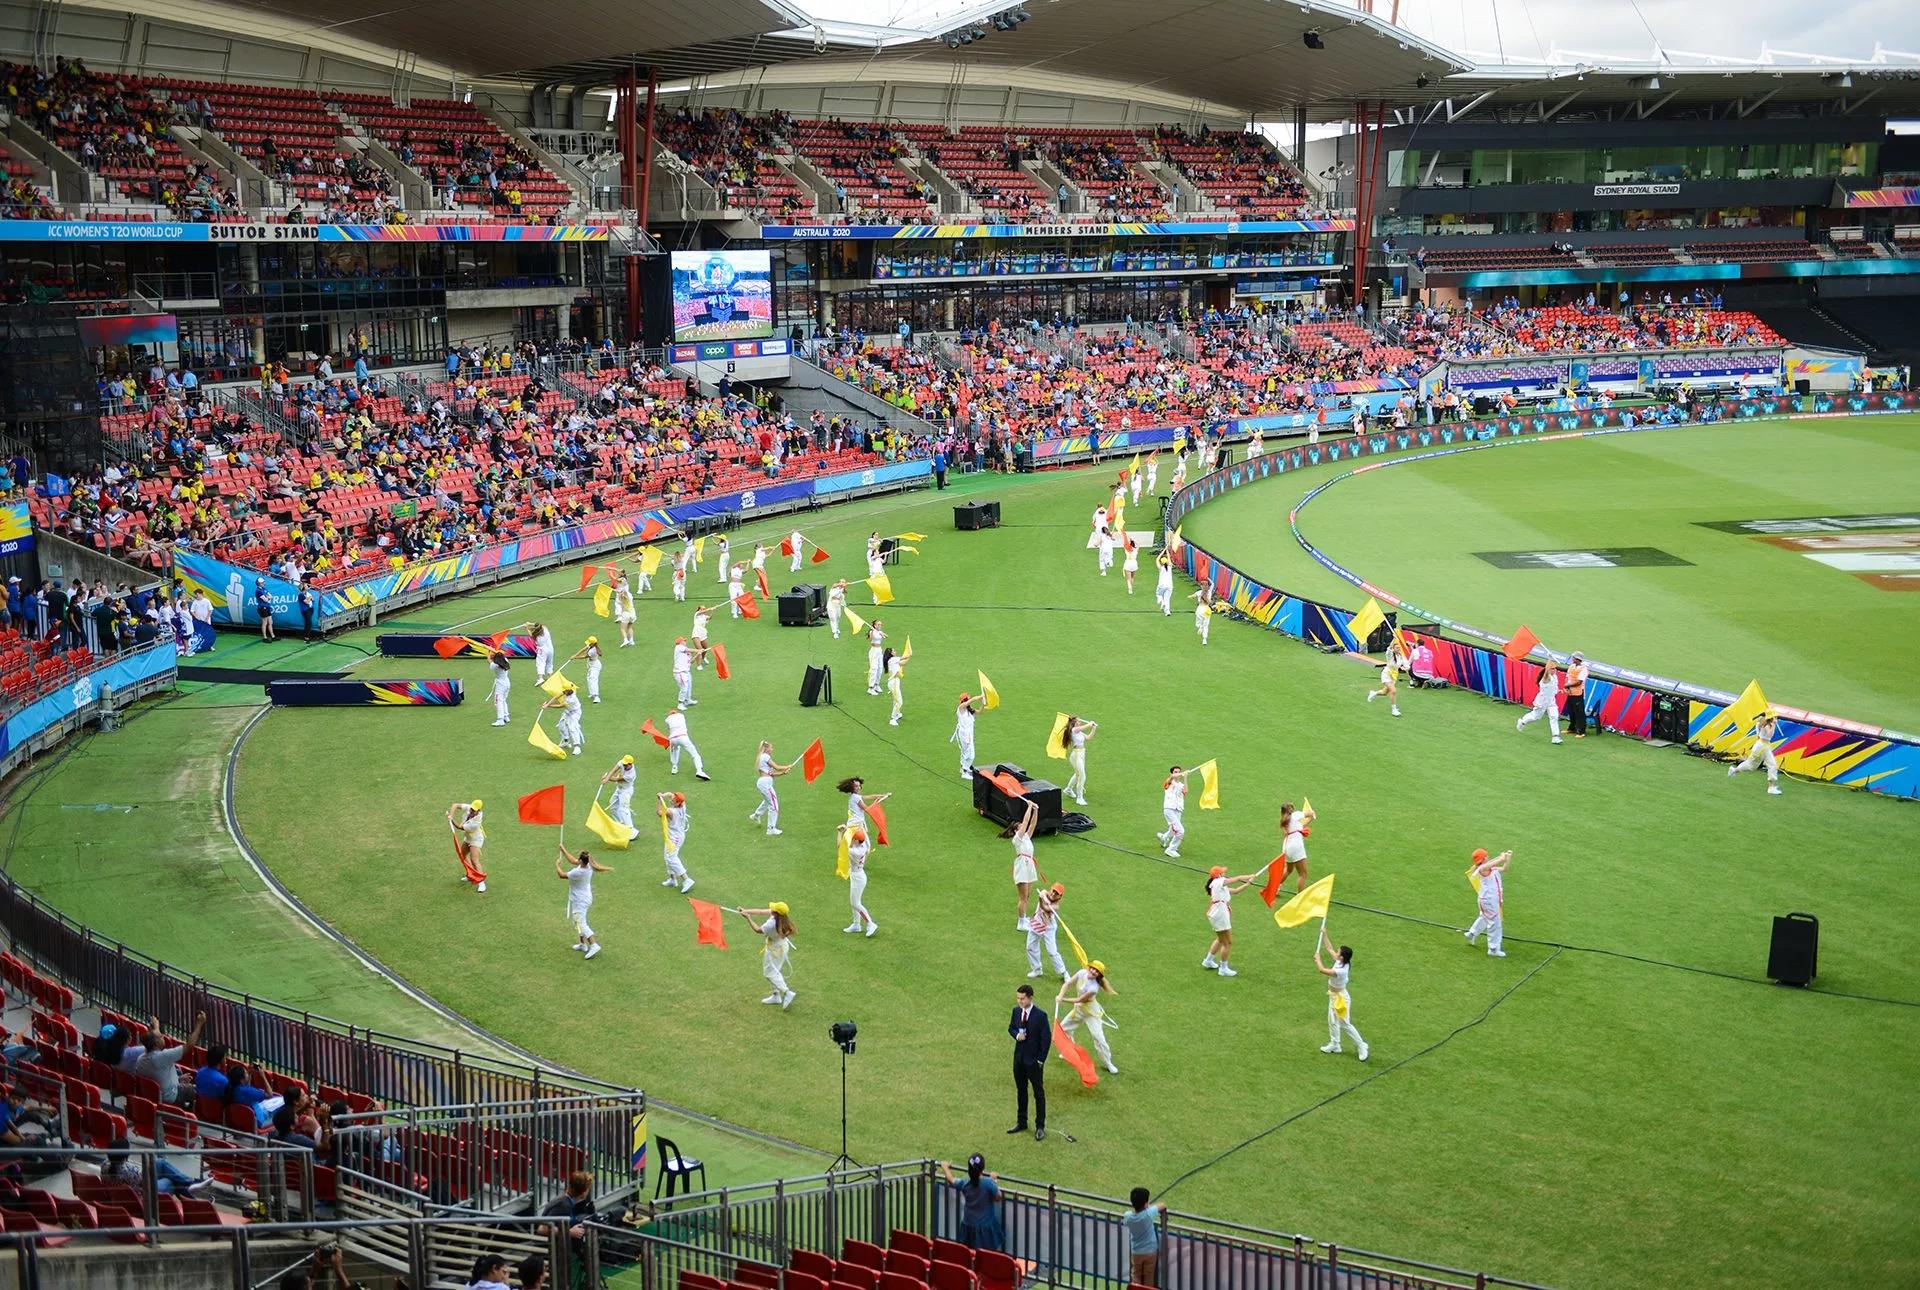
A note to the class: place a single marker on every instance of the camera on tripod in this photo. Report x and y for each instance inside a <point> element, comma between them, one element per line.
<point>842,1033</point>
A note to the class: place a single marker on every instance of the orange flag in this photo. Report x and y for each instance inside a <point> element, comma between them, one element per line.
<point>448,646</point>
<point>879,818</point>
<point>547,806</point>
<point>749,607</point>
<point>813,761</point>
<point>720,667</point>
<point>786,546</point>
<point>761,576</point>
<point>648,729</point>
<point>1275,871</point>
<point>1074,1055</point>
<point>1521,645</point>
<point>587,574</point>
<point>819,556</point>
<point>708,919</point>
<point>651,529</point>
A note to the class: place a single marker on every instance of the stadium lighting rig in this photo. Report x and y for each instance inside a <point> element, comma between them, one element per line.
<point>1005,20</point>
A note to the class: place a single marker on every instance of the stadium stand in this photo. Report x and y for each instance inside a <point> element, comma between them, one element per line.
<point>736,155</point>
<point>467,159</point>
<point>1749,252</point>
<point>861,159</point>
<point>1105,166</point>
<point>984,162</point>
<point>1241,175</point>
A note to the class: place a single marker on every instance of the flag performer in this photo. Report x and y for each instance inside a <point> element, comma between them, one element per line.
<point>1043,932</point>
<point>1173,805</point>
<point>854,843</point>
<point>1545,702</point>
<point>1079,730</point>
<point>1220,892</point>
<point>1339,1002</point>
<point>591,653</point>
<point>1083,990</point>
<point>577,872</point>
<point>777,929</point>
<point>963,734</point>
<point>1026,871</point>
<point>766,770</point>
<point>622,777</point>
<point>673,836</point>
<point>1390,677</point>
<point>1489,876</point>
<point>469,839</point>
<point>502,685</point>
<point>1766,728</point>
<point>1293,848</point>
<point>623,612</point>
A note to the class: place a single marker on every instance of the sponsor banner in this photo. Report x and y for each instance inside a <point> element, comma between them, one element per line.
<point>1494,279</point>
<point>1612,557</point>
<point>34,230</point>
<point>890,232</point>
<point>444,692</point>
<point>16,528</point>
<point>153,661</point>
<point>719,351</point>
<point>234,590</point>
<point>425,645</point>
<point>1884,197</point>
<point>129,329</point>
<point>1818,524</point>
<point>827,485</point>
<point>1636,190</point>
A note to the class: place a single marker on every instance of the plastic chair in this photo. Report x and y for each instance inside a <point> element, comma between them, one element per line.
<point>996,1271</point>
<point>945,1251</point>
<point>749,1275</point>
<point>910,1243</point>
<point>861,1254</point>
<point>951,1276</point>
<point>676,1170</point>
<point>813,1263</point>
<point>900,1281</point>
<point>700,1281</point>
<point>908,1265</point>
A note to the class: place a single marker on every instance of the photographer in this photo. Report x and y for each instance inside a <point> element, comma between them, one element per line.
<point>576,1207</point>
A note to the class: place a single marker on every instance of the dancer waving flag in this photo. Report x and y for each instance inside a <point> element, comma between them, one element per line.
<point>854,848</point>
<point>1026,871</point>
<point>963,733</point>
<point>766,770</point>
<point>1339,1002</point>
<point>674,823</point>
<point>1082,991</point>
<point>1220,893</point>
<point>1489,878</point>
<point>777,932</point>
<point>1173,805</point>
<point>469,838</point>
<point>1765,729</point>
<point>577,872</point>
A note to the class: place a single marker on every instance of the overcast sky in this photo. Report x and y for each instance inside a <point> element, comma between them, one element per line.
<point>1529,28</point>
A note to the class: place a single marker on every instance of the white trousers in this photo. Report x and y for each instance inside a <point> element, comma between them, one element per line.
<point>685,681</point>
<point>1163,597</point>
<point>856,895</point>
<point>795,566</point>
<point>873,667</point>
<point>593,681</point>
<point>500,703</point>
<point>734,592</point>
<point>621,808</point>
<point>1338,1025</point>
<point>1549,709</point>
<point>833,617</point>
<point>577,915</point>
<point>966,755</point>
<point>1096,1033</point>
<point>1490,924</point>
<point>1153,479</point>
<point>1048,939</point>
<point>1761,755</point>
<point>774,969</point>
<point>568,728</point>
<point>722,571</point>
<point>675,869</point>
<point>542,662</point>
<point>674,745</point>
<point>679,588</point>
<point>769,808</point>
<point>1077,782</point>
<point>1203,626</point>
<point>1176,828</point>
<point>899,701</point>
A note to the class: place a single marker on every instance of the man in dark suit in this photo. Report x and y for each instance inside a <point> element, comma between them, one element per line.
<point>1032,1031</point>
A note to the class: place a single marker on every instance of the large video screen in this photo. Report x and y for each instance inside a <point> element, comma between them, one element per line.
<point>722,295</point>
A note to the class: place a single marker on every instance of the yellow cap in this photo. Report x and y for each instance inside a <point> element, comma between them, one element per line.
<point>474,805</point>
<point>779,907</point>
<point>627,760</point>
<point>567,688</point>
<point>593,640</point>
<point>1097,966</point>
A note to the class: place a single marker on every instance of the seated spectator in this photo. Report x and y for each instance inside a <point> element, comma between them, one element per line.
<point>576,1207</point>
<point>20,1048</point>
<point>533,1272</point>
<point>489,1273</point>
<point>112,1048</point>
<point>125,1167</point>
<point>161,1062</point>
<point>211,1079</point>
<point>285,1128</point>
<point>240,1093</point>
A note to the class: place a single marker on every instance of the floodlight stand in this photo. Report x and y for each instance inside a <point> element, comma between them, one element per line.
<point>843,1161</point>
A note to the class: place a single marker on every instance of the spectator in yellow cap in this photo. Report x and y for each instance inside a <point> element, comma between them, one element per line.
<point>776,925</point>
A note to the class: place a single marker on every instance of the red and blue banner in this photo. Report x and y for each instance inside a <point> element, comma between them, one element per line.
<point>49,230</point>
<point>1162,228</point>
<point>130,329</point>
<point>443,692</point>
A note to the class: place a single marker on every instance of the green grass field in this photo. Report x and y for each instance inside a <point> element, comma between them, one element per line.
<point>1636,1109</point>
<point>1742,608</point>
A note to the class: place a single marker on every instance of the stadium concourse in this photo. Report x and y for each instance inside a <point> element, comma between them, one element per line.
<point>381,360</point>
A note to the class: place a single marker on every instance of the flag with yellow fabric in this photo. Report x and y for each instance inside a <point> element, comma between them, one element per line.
<point>1362,624</point>
<point>699,548</point>
<point>608,829</point>
<point>1473,878</point>
<point>1073,942</point>
<point>1133,467</point>
<point>989,697</point>
<point>538,738</point>
<point>1057,741</point>
<point>855,623</point>
<point>650,557</point>
<point>910,537</point>
<point>666,834</point>
<point>555,685</point>
<point>1174,540</point>
<point>1730,731</point>
<point>1209,773</point>
<point>1308,905</point>
<point>843,866</point>
<point>906,651</point>
<point>603,600</point>
<point>882,588</point>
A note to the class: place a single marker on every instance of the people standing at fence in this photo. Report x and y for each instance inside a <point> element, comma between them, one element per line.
<point>1766,728</point>
<point>502,685</point>
<point>1577,694</point>
<point>469,840</point>
<point>577,872</point>
<point>1082,992</point>
<point>574,1209</point>
<point>1339,1001</point>
<point>1545,703</point>
<point>1489,875</point>
<point>774,924</point>
<point>1032,1033</point>
<point>1143,1239</point>
<point>980,1225</point>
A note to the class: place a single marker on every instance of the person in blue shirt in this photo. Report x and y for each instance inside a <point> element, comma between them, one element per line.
<point>1143,1237</point>
<point>263,605</point>
<point>940,467</point>
<point>189,381</point>
<point>360,369</point>
<point>211,1079</point>
<point>979,1205</point>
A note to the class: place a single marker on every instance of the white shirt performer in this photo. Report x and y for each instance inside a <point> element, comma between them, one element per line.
<point>1202,614</point>
<point>876,656</point>
<point>502,686</point>
<point>591,653</point>
<point>1766,728</point>
<point>836,605</point>
<point>759,556</point>
<point>1293,846</point>
<point>777,929</point>
<point>1153,474</point>
<point>578,871</point>
<point>1545,703</point>
<point>1220,893</point>
<point>798,544</point>
<point>690,553</point>
<point>720,559</point>
<point>1339,1003</point>
<point>1043,932</point>
<point>766,770</point>
<point>1103,545</point>
<point>963,735</point>
<point>568,727</point>
<point>1493,890</point>
<point>858,848</point>
<point>623,612</point>
<point>1026,871</point>
<point>673,809</point>
<point>680,577</point>
<point>1083,990</point>
<point>896,675</point>
<point>1390,678</point>
<point>1173,805</point>
<point>683,671</point>
<point>622,777</point>
<point>677,741</point>
<point>1163,584</point>
<point>1133,485</point>
<point>542,650</point>
<point>471,834</point>
<point>697,634</point>
<point>1077,733</point>
<point>736,587</point>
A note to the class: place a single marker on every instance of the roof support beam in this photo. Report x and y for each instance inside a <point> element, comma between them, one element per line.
<point>1549,113</point>
<point>1472,103</point>
<point>1747,109</point>
<point>1641,111</point>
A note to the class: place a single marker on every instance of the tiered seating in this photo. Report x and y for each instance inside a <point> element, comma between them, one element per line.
<point>1749,252</point>
<point>1241,173</point>
<point>1470,260</point>
<point>983,161</point>
<point>1855,250</point>
<point>1589,329</point>
<point>734,154</point>
<point>288,133</point>
<point>1103,164</point>
<point>1634,253</point>
<point>20,197</point>
<point>862,157</point>
<point>452,141</point>
<point>31,668</point>
<point>1368,351</point>
<point>909,1261</point>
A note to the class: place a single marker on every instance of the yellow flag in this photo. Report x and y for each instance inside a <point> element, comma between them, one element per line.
<point>1055,746</point>
<point>608,829</point>
<point>990,697</point>
<point>603,600</point>
<point>1363,623</point>
<point>649,561</point>
<point>907,652</point>
<point>538,738</point>
<point>1308,905</point>
<point>699,548</point>
<point>666,834</point>
<point>1073,942</point>
<point>1473,878</point>
<point>1174,541</point>
<point>1133,467</point>
<point>1306,807</point>
<point>882,589</point>
<point>909,548</point>
<point>910,537</point>
<point>854,622</point>
<point>1209,772</point>
<point>843,867</point>
<point>1729,731</point>
<point>555,685</point>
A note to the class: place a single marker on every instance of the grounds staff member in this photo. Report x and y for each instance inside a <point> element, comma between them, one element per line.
<point>1032,1031</point>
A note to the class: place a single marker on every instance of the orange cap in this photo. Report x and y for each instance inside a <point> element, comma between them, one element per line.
<point>1479,854</point>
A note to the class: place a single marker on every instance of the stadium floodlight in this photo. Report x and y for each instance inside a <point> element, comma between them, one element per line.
<point>1311,38</point>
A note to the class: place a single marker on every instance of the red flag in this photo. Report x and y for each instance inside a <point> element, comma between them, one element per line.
<point>879,818</point>
<point>448,646</point>
<point>499,638</point>
<point>651,529</point>
<point>1074,1055</point>
<point>587,574</point>
<point>761,576</point>
<point>813,761</point>
<point>819,556</point>
<point>719,653</point>
<point>547,806</point>
<point>1275,871</point>
<point>708,917</point>
<point>786,546</point>
<point>1521,645</point>
<point>648,729</point>
<point>749,607</point>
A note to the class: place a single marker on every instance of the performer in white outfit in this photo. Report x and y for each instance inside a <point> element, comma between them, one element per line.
<point>591,653</point>
<point>857,849</point>
<point>1043,932</point>
<point>622,778</point>
<point>1295,825</point>
<point>1163,584</point>
<point>1133,485</point>
<point>1493,890</point>
<point>1766,728</point>
<point>1173,805</point>
<point>502,686</point>
<point>963,735</point>
<point>1339,1002</point>
<point>1083,990</point>
<point>896,675</point>
<point>1103,546</point>
<point>1130,561</point>
<point>697,635</point>
<point>777,928</point>
<point>673,809</point>
<point>678,741</point>
<point>623,612</point>
<point>759,559</point>
<point>1075,736</point>
<point>1179,480</point>
<point>798,544</point>
<point>469,829</point>
<point>542,649</point>
<point>736,587</point>
<point>577,872</point>
<point>1545,703</point>
<point>766,770</point>
<point>1026,871</point>
<point>876,656</point>
<point>680,577</point>
<point>1390,677</point>
<point>690,553</point>
<point>720,559</point>
<point>568,727</point>
<point>641,580</point>
<point>683,671</point>
<point>857,801</point>
<point>1153,474</point>
<point>1202,613</point>
<point>836,605</point>
<point>1220,893</point>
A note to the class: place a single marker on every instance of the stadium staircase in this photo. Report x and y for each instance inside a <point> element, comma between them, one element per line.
<point>811,387</point>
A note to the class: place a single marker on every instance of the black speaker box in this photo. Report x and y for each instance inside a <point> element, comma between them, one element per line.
<point>977,515</point>
<point>1004,808</point>
<point>796,610</point>
<point>1671,718</point>
<point>816,687</point>
<point>816,594</point>
<point>1794,956</point>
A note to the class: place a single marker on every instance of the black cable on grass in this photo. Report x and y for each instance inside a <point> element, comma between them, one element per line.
<point>1301,1114</point>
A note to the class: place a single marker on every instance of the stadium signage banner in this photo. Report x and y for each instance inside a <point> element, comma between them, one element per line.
<point>16,528</point>
<point>1636,190</point>
<point>40,230</point>
<point>719,351</point>
<point>889,232</point>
